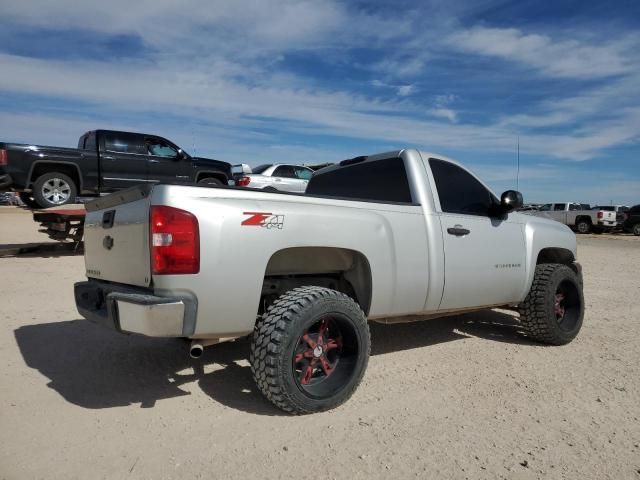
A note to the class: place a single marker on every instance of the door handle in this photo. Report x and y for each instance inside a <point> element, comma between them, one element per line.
<point>278,180</point>
<point>154,161</point>
<point>458,231</point>
<point>108,158</point>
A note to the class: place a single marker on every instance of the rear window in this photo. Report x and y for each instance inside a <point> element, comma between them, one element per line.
<point>260,168</point>
<point>380,180</point>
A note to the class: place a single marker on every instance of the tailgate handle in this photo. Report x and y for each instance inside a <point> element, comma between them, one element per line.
<point>107,218</point>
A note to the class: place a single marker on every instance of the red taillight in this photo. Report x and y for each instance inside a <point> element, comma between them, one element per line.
<point>244,181</point>
<point>4,158</point>
<point>600,214</point>
<point>175,241</point>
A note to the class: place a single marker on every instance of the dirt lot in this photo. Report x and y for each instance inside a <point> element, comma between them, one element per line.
<point>460,397</point>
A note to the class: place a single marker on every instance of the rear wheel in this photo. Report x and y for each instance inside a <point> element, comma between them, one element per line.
<point>311,349</point>
<point>583,226</point>
<point>554,308</point>
<point>54,189</point>
<point>636,229</point>
<point>210,181</point>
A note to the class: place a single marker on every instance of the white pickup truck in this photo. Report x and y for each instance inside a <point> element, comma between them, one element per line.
<point>579,216</point>
<point>395,237</point>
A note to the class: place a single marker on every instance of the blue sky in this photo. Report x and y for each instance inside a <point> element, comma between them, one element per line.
<point>258,81</point>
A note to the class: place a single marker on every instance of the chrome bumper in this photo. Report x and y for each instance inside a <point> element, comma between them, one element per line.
<point>130,310</point>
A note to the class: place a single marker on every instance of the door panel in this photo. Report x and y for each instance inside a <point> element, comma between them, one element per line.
<point>164,163</point>
<point>122,161</point>
<point>484,252</point>
<point>485,266</point>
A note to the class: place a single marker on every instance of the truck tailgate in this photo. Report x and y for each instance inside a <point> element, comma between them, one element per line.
<point>116,237</point>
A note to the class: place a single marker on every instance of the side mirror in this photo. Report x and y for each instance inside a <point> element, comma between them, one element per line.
<point>181,155</point>
<point>511,200</point>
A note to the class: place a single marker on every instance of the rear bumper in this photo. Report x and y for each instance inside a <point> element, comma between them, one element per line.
<point>5,180</point>
<point>131,310</point>
<point>607,224</point>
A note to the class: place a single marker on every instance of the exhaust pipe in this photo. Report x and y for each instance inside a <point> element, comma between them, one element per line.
<point>197,346</point>
<point>196,349</point>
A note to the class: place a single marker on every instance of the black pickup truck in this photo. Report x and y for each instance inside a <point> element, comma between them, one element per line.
<point>105,161</point>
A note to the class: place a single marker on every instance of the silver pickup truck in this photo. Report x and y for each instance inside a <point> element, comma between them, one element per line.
<point>581,217</point>
<point>396,237</point>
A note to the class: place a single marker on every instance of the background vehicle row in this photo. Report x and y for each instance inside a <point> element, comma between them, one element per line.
<point>105,161</point>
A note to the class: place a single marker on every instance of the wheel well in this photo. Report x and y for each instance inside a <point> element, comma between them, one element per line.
<point>220,176</point>
<point>69,170</point>
<point>557,255</point>
<point>584,217</point>
<point>340,269</point>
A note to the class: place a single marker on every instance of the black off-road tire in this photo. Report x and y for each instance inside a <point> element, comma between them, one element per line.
<point>42,201</point>
<point>271,189</point>
<point>538,315</point>
<point>278,334</point>
<point>636,229</point>
<point>210,181</point>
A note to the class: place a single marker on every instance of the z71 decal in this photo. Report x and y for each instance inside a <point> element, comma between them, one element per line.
<point>263,219</point>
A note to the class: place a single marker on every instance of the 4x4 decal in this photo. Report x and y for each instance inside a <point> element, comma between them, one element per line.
<point>263,219</point>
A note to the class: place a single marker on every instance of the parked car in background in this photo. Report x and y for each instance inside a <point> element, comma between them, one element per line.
<point>529,207</point>
<point>105,161</point>
<point>631,223</point>
<point>578,216</point>
<point>619,209</point>
<point>278,176</point>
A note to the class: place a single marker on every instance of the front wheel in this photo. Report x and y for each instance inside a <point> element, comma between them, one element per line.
<point>636,229</point>
<point>310,350</point>
<point>54,189</point>
<point>554,308</point>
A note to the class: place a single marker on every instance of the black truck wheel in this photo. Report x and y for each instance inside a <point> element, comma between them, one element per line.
<point>53,189</point>
<point>583,226</point>
<point>210,181</point>
<point>28,200</point>
<point>310,350</point>
<point>554,308</point>
<point>636,229</point>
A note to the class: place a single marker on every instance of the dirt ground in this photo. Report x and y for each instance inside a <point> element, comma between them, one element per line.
<point>459,397</point>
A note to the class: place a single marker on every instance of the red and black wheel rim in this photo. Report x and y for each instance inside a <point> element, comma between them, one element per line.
<point>566,305</point>
<point>325,356</point>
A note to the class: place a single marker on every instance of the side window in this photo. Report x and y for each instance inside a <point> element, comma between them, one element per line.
<point>545,208</point>
<point>574,207</point>
<point>558,207</point>
<point>123,143</point>
<point>303,173</point>
<point>160,148</point>
<point>459,191</point>
<point>285,171</point>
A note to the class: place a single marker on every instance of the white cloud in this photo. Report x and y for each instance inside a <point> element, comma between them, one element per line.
<point>444,113</point>
<point>558,58</point>
<point>406,90</point>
